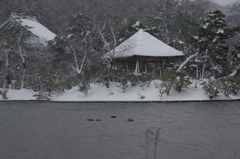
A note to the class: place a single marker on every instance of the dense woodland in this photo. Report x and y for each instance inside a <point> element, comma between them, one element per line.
<point>208,34</point>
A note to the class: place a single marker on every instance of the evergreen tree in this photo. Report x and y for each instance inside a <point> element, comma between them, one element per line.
<point>211,42</point>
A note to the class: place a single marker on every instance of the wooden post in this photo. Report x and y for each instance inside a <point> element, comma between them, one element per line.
<point>155,66</point>
<point>126,64</point>
<point>160,68</point>
<point>137,67</point>
<point>146,66</point>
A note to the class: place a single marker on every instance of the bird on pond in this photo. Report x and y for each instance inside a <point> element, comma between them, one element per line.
<point>130,119</point>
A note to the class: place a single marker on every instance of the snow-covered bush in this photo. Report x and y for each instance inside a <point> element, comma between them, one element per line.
<point>110,93</point>
<point>84,87</point>
<point>53,88</point>
<point>163,88</point>
<point>106,79</point>
<point>107,76</point>
<point>166,85</point>
<point>134,80</point>
<point>181,81</point>
<point>142,84</point>
<point>144,80</point>
<point>172,80</point>
<point>141,96</point>
<point>212,88</point>
<point>229,85</point>
<point>42,96</point>
<point>124,84</point>
<point>4,94</point>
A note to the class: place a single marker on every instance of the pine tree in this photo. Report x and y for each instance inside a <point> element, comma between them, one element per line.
<point>211,43</point>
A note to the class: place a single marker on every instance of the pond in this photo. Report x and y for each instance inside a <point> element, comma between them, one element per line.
<point>188,130</point>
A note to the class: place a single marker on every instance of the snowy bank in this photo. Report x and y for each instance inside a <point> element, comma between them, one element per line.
<point>99,93</point>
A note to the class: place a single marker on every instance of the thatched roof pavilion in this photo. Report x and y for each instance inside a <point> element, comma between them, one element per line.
<point>145,47</point>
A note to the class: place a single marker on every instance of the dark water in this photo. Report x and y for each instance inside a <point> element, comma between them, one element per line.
<point>209,130</point>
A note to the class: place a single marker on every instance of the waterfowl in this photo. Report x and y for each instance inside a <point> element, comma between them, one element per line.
<point>98,120</point>
<point>113,116</point>
<point>90,120</point>
<point>130,119</point>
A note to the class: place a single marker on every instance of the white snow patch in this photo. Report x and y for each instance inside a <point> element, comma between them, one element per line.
<point>205,26</point>
<point>220,31</point>
<point>23,94</point>
<point>99,92</point>
<point>136,24</point>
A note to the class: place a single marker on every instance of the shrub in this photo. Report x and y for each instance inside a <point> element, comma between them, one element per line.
<point>134,80</point>
<point>141,96</point>
<point>163,88</point>
<point>144,80</point>
<point>229,85</point>
<point>110,93</point>
<point>84,87</point>
<point>212,88</point>
<point>42,96</point>
<point>181,81</point>
<point>4,94</point>
<point>166,85</point>
<point>106,76</point>
<point>124,84</point>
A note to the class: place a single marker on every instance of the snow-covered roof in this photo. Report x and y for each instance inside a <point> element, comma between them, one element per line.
<point>144,44</point>
<point>35,27</point>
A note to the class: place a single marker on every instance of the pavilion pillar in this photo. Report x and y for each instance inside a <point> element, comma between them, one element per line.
<point>117,65</point>
<point>160,69</point>
<point>155,67</point>
<point>126,66</point>
<point>146,66</point>
<point>137,67</point>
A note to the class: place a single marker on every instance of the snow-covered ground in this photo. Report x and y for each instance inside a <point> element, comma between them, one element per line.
<point>99,92</point>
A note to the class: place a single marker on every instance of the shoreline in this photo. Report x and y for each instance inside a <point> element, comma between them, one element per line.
<point>101,94</point>
<point>119,101</point>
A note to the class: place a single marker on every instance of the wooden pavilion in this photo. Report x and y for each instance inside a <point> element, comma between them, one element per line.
<point>143,47</point>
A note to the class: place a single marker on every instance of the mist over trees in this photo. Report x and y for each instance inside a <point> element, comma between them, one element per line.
<point>87,29</point>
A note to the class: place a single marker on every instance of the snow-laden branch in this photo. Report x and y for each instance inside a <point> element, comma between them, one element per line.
<point>235,72</point>
<point>186,61</point>
<point>77,70</point>
<point>100,31</point>
<point>1,26</point>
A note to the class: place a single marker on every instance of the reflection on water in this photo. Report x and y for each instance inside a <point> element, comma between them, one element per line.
<point>207,130</point>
